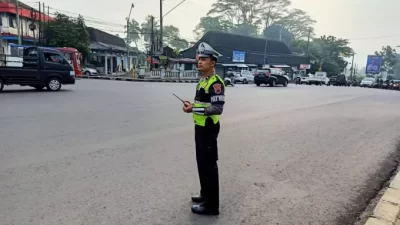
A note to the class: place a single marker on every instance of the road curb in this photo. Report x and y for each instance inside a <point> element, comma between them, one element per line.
<point>137,80</point>
<point>387,211</point>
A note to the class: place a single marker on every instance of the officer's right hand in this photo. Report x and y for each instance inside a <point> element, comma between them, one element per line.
<point>187,107</point>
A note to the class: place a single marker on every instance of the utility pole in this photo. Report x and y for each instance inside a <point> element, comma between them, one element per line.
<point>152,43</point>
<point>18,22</point>
<point>308,42</point>
<point>44,22</point>
<point>48,16</point>
<point>161,26</point>
<point>266,37</point>
<point>128,20</point>
<point>40,24</point>
<point>352,67</point>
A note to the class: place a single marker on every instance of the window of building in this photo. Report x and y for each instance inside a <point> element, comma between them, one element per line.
<point>11,19</point>
<point>188,66</point>
<point>1,19</point>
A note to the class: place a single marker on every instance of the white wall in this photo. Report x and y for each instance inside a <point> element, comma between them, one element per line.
<point>13,30</point>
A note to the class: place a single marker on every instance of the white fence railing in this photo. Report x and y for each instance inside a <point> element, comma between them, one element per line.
<point>190,75</point>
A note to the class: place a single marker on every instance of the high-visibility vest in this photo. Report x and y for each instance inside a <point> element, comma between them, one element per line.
<point>200,120</point>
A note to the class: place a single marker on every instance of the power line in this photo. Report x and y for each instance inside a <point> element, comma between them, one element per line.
<point>176,6</point>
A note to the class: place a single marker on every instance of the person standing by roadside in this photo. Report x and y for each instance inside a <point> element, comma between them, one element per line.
<point>208,105</point>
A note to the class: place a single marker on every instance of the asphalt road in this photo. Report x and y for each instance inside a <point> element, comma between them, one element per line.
<point>110,152</point>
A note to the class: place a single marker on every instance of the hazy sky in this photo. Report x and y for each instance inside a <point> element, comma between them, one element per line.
<point>368,24</point>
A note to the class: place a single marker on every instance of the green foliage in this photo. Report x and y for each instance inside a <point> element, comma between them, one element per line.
<point>134,33</point>
<point>327,51</point>
<point>146,28</point>
<point>389,57</point>
<point>253,17</point>
<point>68,32</point>
<point>209,23</point>
<point>279,33</point>
<point>172,39</point>
<point>171,34</point>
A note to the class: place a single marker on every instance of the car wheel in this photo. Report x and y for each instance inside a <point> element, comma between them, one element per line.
<point>285,84</point>
<point>244,81</point>
<point>1,84</point>
<point>258,85</point>
<point>54,84</point>
<point>87,73</point>
<point>39,87</point>
<point>272,83</point>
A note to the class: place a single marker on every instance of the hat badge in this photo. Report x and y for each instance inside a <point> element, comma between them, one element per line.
<point>202,48</point>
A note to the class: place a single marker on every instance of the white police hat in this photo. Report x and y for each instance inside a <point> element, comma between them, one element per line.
<point>205,50</point>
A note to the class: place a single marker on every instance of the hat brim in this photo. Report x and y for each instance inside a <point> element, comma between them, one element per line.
<point>204,56</point>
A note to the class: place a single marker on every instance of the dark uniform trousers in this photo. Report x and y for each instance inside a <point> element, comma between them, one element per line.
<point>207,157</point>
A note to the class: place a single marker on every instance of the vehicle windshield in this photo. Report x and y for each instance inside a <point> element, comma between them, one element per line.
<point>369,79</point>
<point>263,71</point>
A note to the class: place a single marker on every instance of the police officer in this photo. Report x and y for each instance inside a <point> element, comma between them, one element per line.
<point>208,105</point>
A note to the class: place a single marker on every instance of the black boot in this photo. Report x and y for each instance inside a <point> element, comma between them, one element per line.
<point>201,209</point>
<point>197,199</point>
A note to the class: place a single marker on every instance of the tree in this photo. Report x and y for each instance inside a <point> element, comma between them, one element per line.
<point>66,31</point>
<point>245,29</point>
<point>134,33</point>
<point>278,33</point>
<point>389,59</point>
<point>274,11</point>
<point>209,23</point>
<point>298,23</point>
<point>252,16</point>
<point>172,38</point>
<point>328,52</point>
<point>146,28</point>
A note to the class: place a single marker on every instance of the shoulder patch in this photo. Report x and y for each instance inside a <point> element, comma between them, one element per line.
<point>217,88</point>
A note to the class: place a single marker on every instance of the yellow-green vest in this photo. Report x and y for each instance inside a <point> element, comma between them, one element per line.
<point>200,120</point>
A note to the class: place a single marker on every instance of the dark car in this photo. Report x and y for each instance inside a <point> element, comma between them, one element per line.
<point>265,76</point>
<point>339,80</point>
<point>385,85</point>
<point>41,67</point>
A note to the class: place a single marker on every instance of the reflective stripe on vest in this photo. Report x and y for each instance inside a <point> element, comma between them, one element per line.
<point>199,119</point>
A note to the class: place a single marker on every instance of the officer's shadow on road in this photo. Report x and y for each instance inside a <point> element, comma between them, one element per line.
<point>203,220</point>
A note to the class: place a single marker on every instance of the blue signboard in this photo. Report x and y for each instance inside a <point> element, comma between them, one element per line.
<point>374,64</point>
<point>238,56</point>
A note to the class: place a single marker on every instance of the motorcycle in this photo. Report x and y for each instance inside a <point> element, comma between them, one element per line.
<point>229,81</point>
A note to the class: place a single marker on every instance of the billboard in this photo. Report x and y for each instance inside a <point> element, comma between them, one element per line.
<point>238,56</point>
<point>374,64</point>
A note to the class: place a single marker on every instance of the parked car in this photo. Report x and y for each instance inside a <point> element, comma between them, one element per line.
<point>89,71</point>
<point>41,67</point>
<point>244,77</point>
<point>367,82</point>
<point>271,77</point>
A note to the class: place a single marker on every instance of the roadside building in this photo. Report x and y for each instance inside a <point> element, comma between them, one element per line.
<point>245,52</point>
<point>109,53</point>
<point>8,24</point>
